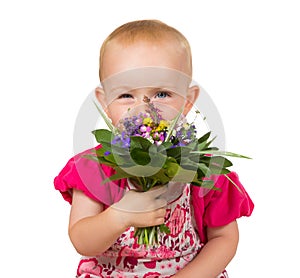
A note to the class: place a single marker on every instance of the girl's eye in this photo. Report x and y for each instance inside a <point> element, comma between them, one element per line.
<point>125,96</point>
<point>162,94</point>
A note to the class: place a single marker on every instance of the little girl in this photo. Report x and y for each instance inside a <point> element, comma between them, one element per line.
<point>203,234</point>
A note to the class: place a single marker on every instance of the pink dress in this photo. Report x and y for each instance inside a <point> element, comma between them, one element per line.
<point>187,217</point>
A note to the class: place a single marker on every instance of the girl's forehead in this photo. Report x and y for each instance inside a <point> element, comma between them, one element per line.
<point>169,54</point>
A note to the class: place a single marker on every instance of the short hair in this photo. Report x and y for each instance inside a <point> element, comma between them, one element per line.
<point>151,30</point>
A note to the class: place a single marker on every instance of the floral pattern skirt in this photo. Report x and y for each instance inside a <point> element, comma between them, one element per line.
<point>127,259</point>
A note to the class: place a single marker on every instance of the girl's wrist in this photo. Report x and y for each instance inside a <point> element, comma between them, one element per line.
<point>117,217</point>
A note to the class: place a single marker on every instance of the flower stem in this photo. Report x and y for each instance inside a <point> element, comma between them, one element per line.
<point>151,236</point>
<point>141,237</point>
<point>147,236</point>
<point>146,241</point>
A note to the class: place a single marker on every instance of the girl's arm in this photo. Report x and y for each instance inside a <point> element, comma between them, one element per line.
<point>93,230</point>
<point>216,253</point>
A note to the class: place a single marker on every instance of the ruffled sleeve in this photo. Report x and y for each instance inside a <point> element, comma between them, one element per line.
<point>87,175</point>
<point>215,208</point>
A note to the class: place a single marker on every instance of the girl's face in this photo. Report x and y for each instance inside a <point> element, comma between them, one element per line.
<point>119,59</point>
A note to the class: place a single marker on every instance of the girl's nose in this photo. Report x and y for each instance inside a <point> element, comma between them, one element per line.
<point>139,107</point>
<point>143,97</point>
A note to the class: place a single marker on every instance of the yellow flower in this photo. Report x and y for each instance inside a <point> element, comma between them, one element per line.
<point>162,125</point>
<point>147,121</point>
<point>186,126</point>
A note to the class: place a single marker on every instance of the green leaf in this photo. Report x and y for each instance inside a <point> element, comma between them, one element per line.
<point>106,119</point>
<point>204,137</point>
<point>216,161</point>
<point>160,177</point>
<point>188,164</point>
<point>100,160</point>
<point>144,171</point>
<point>201,146</point>
<point>158,159</point>
<point>179,152</point>
<point>172,126</point>
<point>171,169</point>
<point>209,184</point>
<point>211,149</point>
<point>100,152</point>
<point>174,152</point>
<point>184,175</point>
<point>204,169</point>
<point>140,156</point>
<point>194,157</point>
<point>113,149</point>
<point>120,174</point>
<point>218,170</point>
<point>209,142</point>
<point>217,152</point>
<point>114,159</point>
<point>164,146</point>
<point>153,150</point>
<point>103,136</point>
<point>140,143</point>
<point>164,229</point>
<point>106,146</point>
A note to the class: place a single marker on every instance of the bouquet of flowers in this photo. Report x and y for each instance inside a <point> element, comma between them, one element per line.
<point>151,151</point>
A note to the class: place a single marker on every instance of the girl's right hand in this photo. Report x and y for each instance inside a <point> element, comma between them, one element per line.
<point>142,209</point>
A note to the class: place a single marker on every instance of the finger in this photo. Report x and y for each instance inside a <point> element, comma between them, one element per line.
<point>159,203</point>
<point>153,205</point>
<point>160,221</point>
<point>161,213</point>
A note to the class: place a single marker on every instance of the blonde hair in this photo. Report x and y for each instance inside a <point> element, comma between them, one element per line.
<point>150,30</point>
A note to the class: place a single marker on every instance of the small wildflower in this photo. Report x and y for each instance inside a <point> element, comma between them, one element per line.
<point>161,137</point>
<point>163,125</point>
<point>158,143</point>
<point>147,121</point>
<point>143,128</point>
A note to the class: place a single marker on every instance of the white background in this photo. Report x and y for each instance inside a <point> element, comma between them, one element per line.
<point>246,56</point>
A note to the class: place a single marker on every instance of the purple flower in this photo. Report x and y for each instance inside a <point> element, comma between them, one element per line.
<point>161,137</point>
<point>122,140</point>
<point>126,142</point>
<point>180,144</point>
<point>143,128</point>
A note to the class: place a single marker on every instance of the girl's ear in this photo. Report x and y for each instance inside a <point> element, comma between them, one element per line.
<point>100,95</point>
<point>192,95</point>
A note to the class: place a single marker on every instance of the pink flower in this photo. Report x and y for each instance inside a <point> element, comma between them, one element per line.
<point>127,251</point>
<point>152,275</point>
<point>189,234</point>
<point>151,264</point>
<point>162,252</point>
<point>176,221</point>
<point>143,128</point>
<point>155,136</point>
<point>161,137</point>
<point>89,266</point>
